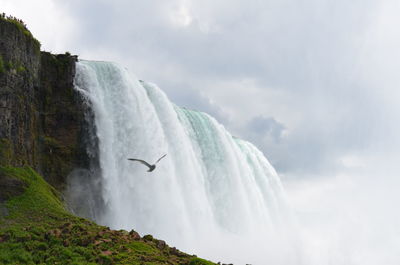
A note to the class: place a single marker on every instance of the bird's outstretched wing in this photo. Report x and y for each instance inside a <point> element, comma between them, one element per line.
<point>141,161</point>
<point>160,159</point>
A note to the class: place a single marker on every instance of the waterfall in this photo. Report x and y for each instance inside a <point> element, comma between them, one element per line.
<point>210,190</point>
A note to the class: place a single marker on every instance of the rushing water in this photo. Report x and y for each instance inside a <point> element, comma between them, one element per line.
<point>210,193</point>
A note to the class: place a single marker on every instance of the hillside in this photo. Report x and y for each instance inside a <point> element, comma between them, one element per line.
<point>35,228</point>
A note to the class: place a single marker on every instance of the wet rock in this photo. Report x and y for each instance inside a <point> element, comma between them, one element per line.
<point>9,188</point>
<point>3,210</point>
<point>177,252</point>
<point>125,238</point>
<point>84,242</point>
<point>148,238</point>
<point>123,248</point>
<point>124,232</point>
<point>134,235</point>
<point>66,243</point>
<point>4,238</point>
<point>161,244</point>
<point>66,230</point>
<point>106,253</point>
<point>53,233</point>
<point>97,242</point>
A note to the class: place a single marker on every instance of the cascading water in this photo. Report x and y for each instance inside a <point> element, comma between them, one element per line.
<point>211,191</point>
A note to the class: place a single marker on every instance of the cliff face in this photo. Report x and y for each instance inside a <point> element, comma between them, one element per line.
<point>19,77</point>
<point>41,116</point>
<point>62,122</point>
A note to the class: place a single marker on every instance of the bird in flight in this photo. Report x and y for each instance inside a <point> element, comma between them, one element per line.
<point>151,167</point>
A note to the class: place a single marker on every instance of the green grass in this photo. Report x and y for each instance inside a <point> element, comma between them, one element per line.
<point>38,230</point>
<point>199,261</point>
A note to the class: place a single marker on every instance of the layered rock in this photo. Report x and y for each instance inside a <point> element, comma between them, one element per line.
<point>42,118</point>
<point>19,78</point>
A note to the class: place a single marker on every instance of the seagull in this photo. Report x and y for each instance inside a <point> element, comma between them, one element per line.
<point>151,167</point>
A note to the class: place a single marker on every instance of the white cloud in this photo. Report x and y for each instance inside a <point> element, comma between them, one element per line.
<point>349,218</point>
<point>326,70</point>
<point>352,161</point>
<point>181,16</point>
<point>53,27</point>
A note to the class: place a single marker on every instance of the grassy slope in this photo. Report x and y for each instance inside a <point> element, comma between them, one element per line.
<point>38,230</point>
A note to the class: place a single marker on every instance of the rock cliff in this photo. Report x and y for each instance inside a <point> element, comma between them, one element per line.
<point>42,122</point>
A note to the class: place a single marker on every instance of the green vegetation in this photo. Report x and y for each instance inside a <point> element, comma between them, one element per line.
<point>9,65</point>
<point>5,151</point>
<point>198,261</point>
<point>21,26</point>
<point>56,156</point>
<point>1,64</point>
<point>20,69</point>
<point>37,229</point>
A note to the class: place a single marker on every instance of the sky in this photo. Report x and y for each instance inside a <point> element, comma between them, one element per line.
<point>314,84</point>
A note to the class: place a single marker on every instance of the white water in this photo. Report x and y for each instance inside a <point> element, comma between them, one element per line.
<point>213,194</point>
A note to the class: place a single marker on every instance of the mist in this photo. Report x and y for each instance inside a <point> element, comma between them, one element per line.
<point>313,84</point>
<point>349,219</point>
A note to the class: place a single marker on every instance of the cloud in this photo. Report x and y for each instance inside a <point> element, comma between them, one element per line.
<point>53,27</point>
<point>325,70</point>
<point>314,84</point>
<point>267,126</point>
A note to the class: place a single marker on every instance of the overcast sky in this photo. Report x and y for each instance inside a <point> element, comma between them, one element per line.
<point>313,83</point>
